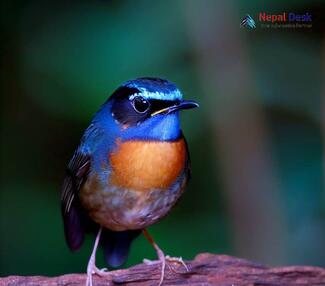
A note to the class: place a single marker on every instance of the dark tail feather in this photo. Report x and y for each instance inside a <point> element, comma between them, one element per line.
<point>73,228</point>
<point>76,224</point>
<point>116,245</point>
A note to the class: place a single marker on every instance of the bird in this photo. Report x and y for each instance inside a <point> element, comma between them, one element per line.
<point>130,168</point>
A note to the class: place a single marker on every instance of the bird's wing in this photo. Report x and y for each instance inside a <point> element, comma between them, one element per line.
<point>76,175</point>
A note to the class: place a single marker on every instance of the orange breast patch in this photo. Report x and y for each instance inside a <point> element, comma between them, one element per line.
<point>144,165</point>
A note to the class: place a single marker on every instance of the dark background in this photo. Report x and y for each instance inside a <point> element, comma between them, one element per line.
<point>256,142</point>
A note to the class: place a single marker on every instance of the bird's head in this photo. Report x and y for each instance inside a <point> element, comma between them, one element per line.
<point>147,108</point>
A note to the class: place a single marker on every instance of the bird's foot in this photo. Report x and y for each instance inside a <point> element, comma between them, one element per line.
<point>101,272</point>
<point>166,260</point>
<point>162,258</point>
<point>178,260</point>
<point>93,269</point>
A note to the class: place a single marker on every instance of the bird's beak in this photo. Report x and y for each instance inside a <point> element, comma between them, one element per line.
<point>184,104</point>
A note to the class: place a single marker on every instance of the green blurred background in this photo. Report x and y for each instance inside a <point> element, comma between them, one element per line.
<point>256,142</point>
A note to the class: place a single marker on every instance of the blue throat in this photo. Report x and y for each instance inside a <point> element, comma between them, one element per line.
<point>100,137</point>
<point>156,128</point>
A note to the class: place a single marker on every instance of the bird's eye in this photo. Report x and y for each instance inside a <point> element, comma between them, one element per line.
<point>140,104</point>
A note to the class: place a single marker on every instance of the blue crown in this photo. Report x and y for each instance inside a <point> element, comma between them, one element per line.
<point>154,88</point>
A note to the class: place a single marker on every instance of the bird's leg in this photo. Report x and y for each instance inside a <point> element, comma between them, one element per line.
<point>92,268</point>
<point>162,257</point>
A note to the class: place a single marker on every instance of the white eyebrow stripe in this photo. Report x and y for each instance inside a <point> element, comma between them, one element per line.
<point>174,95</point>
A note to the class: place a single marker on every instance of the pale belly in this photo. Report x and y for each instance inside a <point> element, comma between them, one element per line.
<point>121,209</point>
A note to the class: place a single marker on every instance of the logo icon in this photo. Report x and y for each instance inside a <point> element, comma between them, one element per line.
<point>248,22</point>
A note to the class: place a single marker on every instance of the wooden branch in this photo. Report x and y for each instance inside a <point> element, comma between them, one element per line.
<point>205,269</point>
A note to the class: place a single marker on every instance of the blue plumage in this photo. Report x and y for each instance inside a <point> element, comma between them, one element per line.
<point>155,88</point>
<point>145,111</point>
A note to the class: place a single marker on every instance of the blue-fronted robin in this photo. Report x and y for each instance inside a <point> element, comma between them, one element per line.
<point>130,169</point>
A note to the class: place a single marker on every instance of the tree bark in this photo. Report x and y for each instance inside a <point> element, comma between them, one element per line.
<point>205,269</point>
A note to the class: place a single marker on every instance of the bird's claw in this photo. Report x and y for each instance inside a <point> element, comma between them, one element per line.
<point>100,272</point>
<point>93,269</point>
<point>163,259</point>
<point>168,258</point>
<point>178,260</point>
